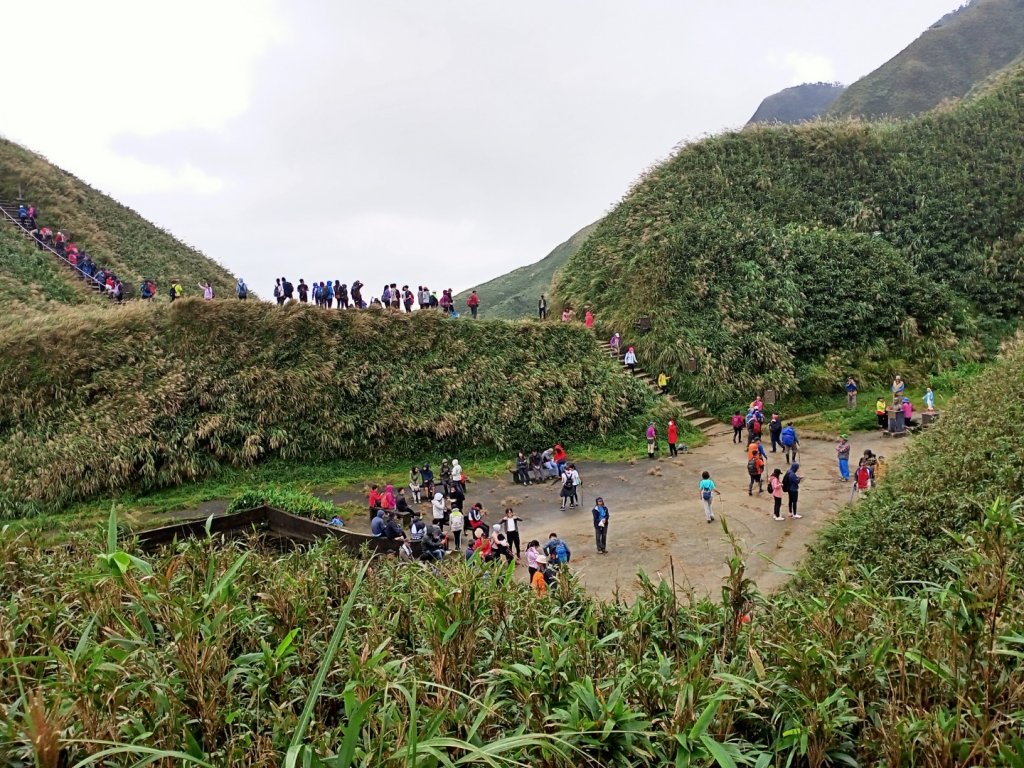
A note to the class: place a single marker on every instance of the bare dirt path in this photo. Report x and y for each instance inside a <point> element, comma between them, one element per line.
<point>656,514</point>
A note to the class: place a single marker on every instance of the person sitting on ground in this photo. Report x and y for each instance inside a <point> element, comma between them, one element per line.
<point>557,550</point>
<point>482,545</point>
<point>433,544</point>
<point>547,460</point>
<point>417,527</point>
<point>560,457</point>
<point>405,552</point>
<point>393,529</point>
<point>475,518</point>
<point>378,523</point>
<point>402,503</point>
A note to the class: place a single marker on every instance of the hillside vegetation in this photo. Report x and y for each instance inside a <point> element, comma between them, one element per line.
<point>233,654</point>
<point>116,236</point>
<point>94,402</point>
<point>515,295</point>
<point>797,104</point>
<point>785,256</point>
<point>945,62</point>
<point>31,279</point>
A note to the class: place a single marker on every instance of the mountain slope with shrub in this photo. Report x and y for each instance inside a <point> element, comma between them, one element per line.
<point>515,295</point>
<point>208,642</point>
<point>116,236</point>
<point>31,279</point>
<point>95,402</point>
<point>780,256</point>
<point>945,62</point>
<point>797,104</point>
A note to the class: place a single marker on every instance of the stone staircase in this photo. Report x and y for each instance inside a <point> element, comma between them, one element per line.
<point>709,425</point>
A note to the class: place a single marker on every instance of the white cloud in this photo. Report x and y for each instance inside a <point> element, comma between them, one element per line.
<point>809,67</point>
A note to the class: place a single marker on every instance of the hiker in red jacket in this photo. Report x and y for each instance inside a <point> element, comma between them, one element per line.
<point>673,438</point>
<point>473,302</point>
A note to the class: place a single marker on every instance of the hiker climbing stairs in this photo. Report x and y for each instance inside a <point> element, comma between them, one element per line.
<point>88,284</point>
<point>707,424</point>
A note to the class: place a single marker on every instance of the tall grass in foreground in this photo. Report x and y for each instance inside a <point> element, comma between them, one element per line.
<point>224,654</point>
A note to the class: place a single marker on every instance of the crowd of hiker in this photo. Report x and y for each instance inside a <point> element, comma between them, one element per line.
<point>64,245</point>
<point>328,294</point>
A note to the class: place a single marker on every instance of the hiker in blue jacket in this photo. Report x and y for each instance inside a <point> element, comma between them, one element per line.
<point>790,442</point>
<point>600,513</point>
<point>791,486</point>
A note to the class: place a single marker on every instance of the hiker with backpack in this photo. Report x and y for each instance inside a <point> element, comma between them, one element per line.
<point>861,479</point>
<point>557,551</point>
<point>242,290</point>
<point>843,454</point>
<point>737,427</point>
<point>652,439</point>
<point>707,490</point>
<point>775,430</point>
<point>568,491</point>
<point>755,468</point>
<point>753,421</point>
<point>791,485</point>
<point>775,489</point>
<point>790,442</point>
<point>473,302</point>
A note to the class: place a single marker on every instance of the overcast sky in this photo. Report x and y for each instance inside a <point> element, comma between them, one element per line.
<point>436,141</point>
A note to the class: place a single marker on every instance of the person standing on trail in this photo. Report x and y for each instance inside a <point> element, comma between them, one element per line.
<point>588,320</point>
<point>707,490</point>
<point>673,438</point>
<point>791,485</point>
<point>303,291</point>
<point>568,488</point>
<point>242,290</point>
<point>754,422</point>
<point>790,442</point>
<point>542,309</point>
<point>861,479</point>
<point>843,453</point>
<point>615,343</point>
<point>652,440</point>
<point>775,430</point>
<point>278,292</point>
<point>539,578</point>
<point>737,427</point>
<point>600,513</point>
<point>775,489</point>
<point>851,392</point>
<point>510,524</point>
<point>755,469</point>
<point>207,291</point>
<point>473,302</point>
<point>880,413</point>
<point>567,314</point>
<point>630,360</point>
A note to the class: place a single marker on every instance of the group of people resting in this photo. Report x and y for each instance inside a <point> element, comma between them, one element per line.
<point>67,249</point>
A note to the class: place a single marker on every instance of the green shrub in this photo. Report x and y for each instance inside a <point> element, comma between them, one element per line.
<point>296,502</point>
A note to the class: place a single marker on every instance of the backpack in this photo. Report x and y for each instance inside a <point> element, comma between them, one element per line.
<point>568,483</point>
<point>788,436</point>
<point>561,552</point>
<point>752,467</point>
<point>756,426</point>
<point>785,483</point>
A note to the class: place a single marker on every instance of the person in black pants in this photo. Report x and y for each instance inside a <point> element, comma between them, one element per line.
<point>793,490</point>
<point>511,525</point>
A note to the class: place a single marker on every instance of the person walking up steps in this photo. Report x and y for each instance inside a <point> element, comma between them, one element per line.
<point>775,489</point>
<point>791,485</point>
<point>600,513</point>
<point>707,490</point>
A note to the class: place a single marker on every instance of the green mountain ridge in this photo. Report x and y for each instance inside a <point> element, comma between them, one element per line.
<point>514,295</point>
<point>797,104</point>
<point>788,257</point>
<point>960,50</point>
<point>114,235</point>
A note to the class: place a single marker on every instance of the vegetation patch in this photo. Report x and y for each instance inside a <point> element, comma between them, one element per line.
<point>791,257</point>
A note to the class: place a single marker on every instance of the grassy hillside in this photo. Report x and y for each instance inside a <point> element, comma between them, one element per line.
<point>780,256</point>
<point>115,235</point>
<point>95,402</point>
<point>944,63</point>
<point>33,278</point>
<point>797,104</point>
<point>232,654</point>
<point>515,295</point>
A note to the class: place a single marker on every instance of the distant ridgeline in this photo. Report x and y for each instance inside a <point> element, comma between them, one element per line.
<point>785,256</point>
<point>95,402</point>
<point>798,104</point>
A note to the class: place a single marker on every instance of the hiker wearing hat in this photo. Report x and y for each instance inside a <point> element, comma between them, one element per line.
<point>843,452</point>
<point>540,578</point>
<point>600,513</point>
